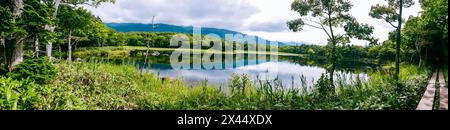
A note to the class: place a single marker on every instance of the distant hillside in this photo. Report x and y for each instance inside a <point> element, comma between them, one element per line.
<point>138,27</point>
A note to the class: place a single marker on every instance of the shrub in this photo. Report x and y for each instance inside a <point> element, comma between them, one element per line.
<point>39,70</point>
<point>17,95</point>
<point>3,70</point>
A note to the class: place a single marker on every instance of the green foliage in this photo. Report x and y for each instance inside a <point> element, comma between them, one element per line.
<point>17,95</point>
<point>323,86</point>
<point>37,16</point>
<point>71,19</point>
<point>330,14</point>
<point>388,12</point>
<point>94,3</point>
<point>6,20</point>
<point>38,70</point>
<point>423,38</point>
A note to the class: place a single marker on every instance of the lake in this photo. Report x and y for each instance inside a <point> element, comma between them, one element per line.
<point>289,70</point>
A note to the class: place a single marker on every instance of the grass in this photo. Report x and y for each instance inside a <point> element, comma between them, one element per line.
<point>103,86</point>
<point>446,74</point>
<point>125,51</point>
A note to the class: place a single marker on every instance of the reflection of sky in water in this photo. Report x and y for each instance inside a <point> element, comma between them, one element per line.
<point>284,70</point>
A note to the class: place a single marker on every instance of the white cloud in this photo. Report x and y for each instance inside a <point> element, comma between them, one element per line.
<point>265,18</point>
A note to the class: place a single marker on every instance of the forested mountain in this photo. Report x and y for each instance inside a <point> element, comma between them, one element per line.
<point>160,27</point>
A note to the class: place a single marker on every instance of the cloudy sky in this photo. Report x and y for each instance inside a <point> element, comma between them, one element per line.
<point>264,18</point>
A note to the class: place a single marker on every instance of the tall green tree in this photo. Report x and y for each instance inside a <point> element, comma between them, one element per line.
<point>71,19</point>
<point>389,14</point>
<point>413,41</point>
<point>36,17</point>
<point>327,15</point>
<point>435,19</point>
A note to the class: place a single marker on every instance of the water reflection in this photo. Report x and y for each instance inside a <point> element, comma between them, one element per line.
<point>288,72</point>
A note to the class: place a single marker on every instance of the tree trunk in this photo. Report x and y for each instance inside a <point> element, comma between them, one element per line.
<point>18,6</point>
<point>17,54</point>
<point>333,51</point>
<point>399,40</point>
<point>48,49</point>
<point>418,50</point>
<point>60,51</point>
<point>36,46</point>
<point>69,51</point>
<point>3,43</point>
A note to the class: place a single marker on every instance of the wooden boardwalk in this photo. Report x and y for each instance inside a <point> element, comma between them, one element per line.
<point>427,101</point>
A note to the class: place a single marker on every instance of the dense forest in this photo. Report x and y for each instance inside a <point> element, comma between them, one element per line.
<point>38,37</point>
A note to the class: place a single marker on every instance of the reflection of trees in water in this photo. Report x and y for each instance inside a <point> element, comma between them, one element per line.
<point>344,65</point>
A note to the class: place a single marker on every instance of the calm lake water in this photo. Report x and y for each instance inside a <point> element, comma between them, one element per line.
<point>289,71</point>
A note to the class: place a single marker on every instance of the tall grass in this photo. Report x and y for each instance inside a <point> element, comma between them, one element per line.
<point>446,75</point>
<point>103,86</point>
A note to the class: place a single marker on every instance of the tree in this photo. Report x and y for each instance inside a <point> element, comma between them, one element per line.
<point>311,52</point>
<point>389,14</point>
<point>37,15</point>
<point>51,27</point>
<point>16,43</point>
<point>148,40</point>
<point>70,19</point>
<point>435,19</point>
<point>96,33</point>
<point>6,24</point>
<point>413,41</point>
<point>25,20</point>
<point>329,14</point>
<point>57,3</point>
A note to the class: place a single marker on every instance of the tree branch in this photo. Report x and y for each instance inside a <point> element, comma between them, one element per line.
<point>313,21</point>
<point>386,19</point>
<point>325,30</point>
<point>313,26</point>
<point>391,24</point>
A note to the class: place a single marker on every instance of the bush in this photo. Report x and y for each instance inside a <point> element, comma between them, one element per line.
<point>39,70</point>
<point>17,95</point>
<point>3,70</point>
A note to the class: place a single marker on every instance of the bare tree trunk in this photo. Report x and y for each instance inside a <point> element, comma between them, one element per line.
<point>36,46</point>
<point>69,54</point>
